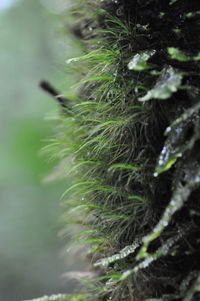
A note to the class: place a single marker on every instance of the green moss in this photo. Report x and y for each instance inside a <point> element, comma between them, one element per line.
<point>136,117</point>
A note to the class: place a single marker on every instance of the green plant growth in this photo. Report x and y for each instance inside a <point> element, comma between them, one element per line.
<point>132,136</point>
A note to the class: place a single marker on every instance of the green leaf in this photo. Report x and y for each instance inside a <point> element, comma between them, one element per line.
<point>116,216</point>
<point>192,14</point>
<point>96,56</point>
<point>137,198</point>
<point>168,83</point>
<point>91,240</point>
<point>78,185</point>
<point>182,135</point>
<point>124,166</point>
<point>105,77</point>
<point>85,163</point>
<point>139,61</point>
<point>178,55</point>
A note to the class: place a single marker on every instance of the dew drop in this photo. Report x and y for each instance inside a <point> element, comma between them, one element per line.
<point>173,203</point>
<point>168,129</point>
<point>145,264</point>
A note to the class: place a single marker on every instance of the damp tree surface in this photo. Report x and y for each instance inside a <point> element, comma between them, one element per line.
<point>132,137</point>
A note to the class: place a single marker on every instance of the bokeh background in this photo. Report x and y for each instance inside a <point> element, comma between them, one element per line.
<point>33,46</point>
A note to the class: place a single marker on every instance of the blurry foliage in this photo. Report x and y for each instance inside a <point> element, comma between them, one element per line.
<point>30,259</point>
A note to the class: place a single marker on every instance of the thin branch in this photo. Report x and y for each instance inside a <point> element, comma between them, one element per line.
<point>48,88</point>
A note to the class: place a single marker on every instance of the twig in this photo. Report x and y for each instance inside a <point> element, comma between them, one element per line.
<point>47,87</point>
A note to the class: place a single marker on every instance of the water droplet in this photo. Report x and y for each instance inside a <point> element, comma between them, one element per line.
<point>160,162</point>
<point>173,203</point>
<point>168,129</point>
<point>145,264</point>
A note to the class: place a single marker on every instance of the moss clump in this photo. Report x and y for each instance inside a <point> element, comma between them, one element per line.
<point>133,137</point>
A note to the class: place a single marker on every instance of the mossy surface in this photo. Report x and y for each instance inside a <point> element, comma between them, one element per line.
<point>132,136</point>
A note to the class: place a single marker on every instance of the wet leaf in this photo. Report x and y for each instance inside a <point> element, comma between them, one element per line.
<point>192,14</point>
<point>121,255</point>
<point>178,55</point>
<point>150,258</point>
<point>190,176</point>
<point>139,61</point>
<point>182,135</point>
<point>168,83</point>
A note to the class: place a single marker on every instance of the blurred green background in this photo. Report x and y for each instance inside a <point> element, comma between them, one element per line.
<point>33,46</point>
